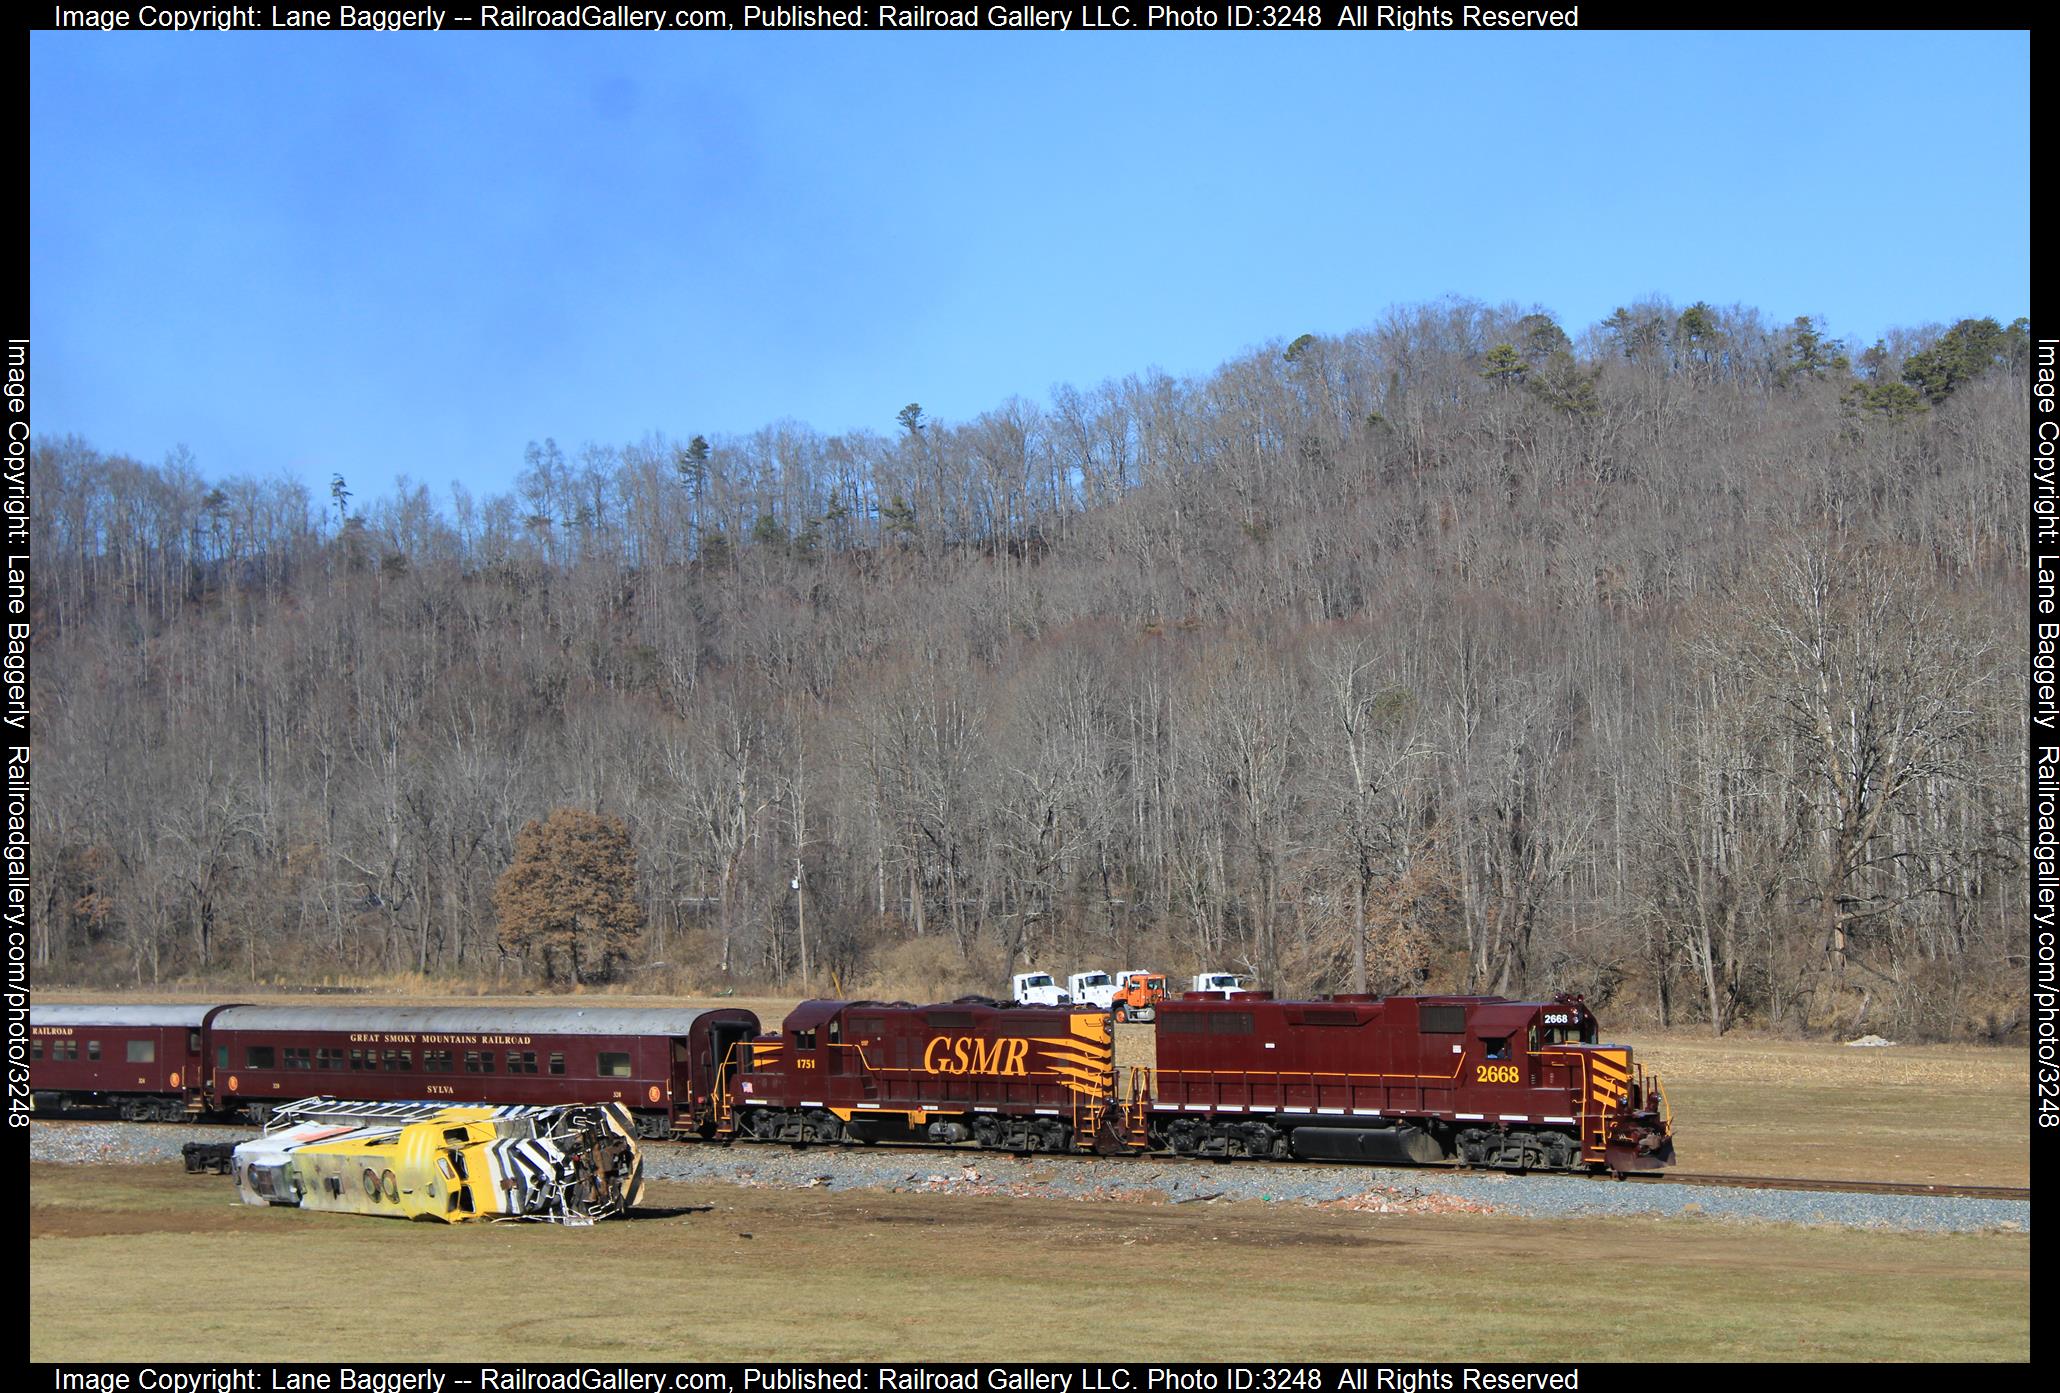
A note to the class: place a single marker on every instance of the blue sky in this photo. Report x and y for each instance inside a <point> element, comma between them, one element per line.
<point>411,254</point>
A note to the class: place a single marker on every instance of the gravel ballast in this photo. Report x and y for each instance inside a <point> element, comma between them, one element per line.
<point>1147,1181</point>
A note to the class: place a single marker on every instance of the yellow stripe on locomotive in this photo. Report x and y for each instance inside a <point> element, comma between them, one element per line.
<point>447,1163</point>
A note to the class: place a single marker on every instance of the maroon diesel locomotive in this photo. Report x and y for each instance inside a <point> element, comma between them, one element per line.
<point>1517,1084</point>
<point>1009,1077</point>
<point>659,1063</point>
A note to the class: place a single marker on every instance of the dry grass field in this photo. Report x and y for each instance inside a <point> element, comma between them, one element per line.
<point>1742,1106</point>
<point>1824,1111</point>
<point>1913,1112</point>
<point>119,1257</point>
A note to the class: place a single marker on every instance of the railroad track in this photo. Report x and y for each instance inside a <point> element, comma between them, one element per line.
<point>1856,1187</point>
<point>1941,1190</point>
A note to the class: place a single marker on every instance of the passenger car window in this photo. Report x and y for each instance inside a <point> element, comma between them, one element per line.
<point>614,1066</point>
<point>142,1051</point>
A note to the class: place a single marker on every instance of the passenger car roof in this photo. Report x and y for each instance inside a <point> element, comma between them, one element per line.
<point>466,1020</point>
<point>158,1013</point>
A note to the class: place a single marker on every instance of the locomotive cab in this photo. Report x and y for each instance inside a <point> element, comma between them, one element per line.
<point>1624,1122</point>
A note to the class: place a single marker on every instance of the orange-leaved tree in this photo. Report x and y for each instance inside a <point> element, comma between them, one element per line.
<point>568,902</point>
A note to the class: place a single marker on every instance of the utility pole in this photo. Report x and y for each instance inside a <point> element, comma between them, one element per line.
<point>801,920</point>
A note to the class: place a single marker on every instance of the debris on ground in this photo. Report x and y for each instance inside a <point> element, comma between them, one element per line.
<point>1869,1042</point>
<point>1388,1200</point>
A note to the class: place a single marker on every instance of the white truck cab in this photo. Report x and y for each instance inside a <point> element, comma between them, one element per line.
<point>1092,989</point>
<point>1038,989</point>
<point>1218,983</point>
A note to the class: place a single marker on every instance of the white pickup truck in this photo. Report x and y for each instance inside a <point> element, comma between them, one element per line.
<point>1038,989</point>
<point>1218,983</point>
<point>1092,989</point>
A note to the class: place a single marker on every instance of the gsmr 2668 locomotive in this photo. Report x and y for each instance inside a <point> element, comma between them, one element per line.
<point>1490,1082</point>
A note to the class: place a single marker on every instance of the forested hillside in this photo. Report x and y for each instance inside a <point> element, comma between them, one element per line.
<point>1680,664</point>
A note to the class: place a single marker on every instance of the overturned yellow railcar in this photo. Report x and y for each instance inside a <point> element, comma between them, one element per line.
<point>451,1163</point>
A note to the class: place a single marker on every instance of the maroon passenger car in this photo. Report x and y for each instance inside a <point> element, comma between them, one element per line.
<point>147,1062</point>
<point>660,1063</point>
<point>1517,1084</point>
<point>1021,1078</point>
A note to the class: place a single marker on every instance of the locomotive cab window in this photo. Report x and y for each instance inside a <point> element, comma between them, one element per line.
<point>1496,1049</point>
<point>836,1030</point>
<point>804,1039</point>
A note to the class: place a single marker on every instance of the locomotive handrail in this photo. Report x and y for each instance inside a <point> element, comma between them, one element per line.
<point>725,1073</point>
